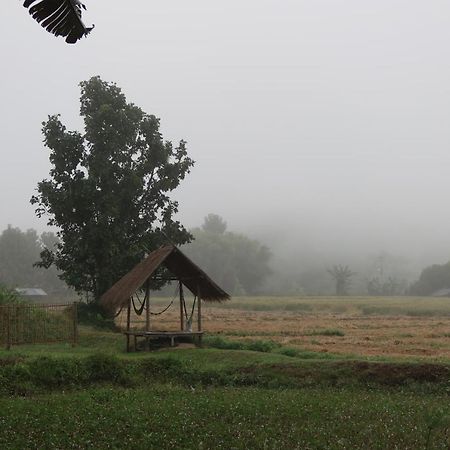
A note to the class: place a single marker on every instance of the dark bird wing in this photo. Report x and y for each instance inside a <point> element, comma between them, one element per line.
<point>60,17</point>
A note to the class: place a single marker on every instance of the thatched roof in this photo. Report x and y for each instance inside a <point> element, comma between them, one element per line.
<point>173,259</point>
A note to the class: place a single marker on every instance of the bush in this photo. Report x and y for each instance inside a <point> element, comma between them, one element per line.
<point>255,346</point>
<point>9,296</point>
<point>65,372</point>
<point>223,344</point>
<point>101,367</point>
<point>289,351</point>
<point>326,332</point>
<point>93,315</point>
<point>51,372</point>
<point>162,367</point>
<point>261,346</point>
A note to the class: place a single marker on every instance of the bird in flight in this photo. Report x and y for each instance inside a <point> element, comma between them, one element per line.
<point>59,17</point>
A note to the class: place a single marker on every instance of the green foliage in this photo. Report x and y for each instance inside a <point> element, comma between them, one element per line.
<point>106,368</point>
<point>54,373</point>
<point>432,279</point>
<point>92,314</point>
<point>174,416</point>
<point>303,354</point>
<point>261,346</point>
<point>326,332</point>
<point>224,344</point>
<point>239,264</point>
<point>64,373</point>
<point>19,251</point>
<point>162,367</point>
<point>8,296</point>
<point>255,346</point>
<point>108,190</point>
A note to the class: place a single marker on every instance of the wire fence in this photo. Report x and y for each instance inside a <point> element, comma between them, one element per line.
<point>38,324</point>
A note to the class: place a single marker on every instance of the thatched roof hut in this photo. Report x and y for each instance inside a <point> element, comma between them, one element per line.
<point>176,262</point>
<point>185,272</point>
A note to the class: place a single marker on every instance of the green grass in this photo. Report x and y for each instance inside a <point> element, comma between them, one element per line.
<point>326,332</point>
<point>260,364</point>
<point>171,416</point>
<point>232,394</point>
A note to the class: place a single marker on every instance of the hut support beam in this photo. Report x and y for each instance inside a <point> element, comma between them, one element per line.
<point>147,305</point>
<point>181,306</point>
<point>147,312</point>
<point>199,315</point>
<point>128,323</point>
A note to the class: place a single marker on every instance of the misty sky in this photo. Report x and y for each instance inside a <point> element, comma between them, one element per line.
<point>325,120</point>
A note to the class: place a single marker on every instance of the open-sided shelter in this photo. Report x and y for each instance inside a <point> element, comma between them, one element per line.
<point>184,271</point>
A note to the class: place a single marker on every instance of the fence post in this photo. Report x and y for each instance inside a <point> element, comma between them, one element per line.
<point>75,323</point>
<point>8,327</point>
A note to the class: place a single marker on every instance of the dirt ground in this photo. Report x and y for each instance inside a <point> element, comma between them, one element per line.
<point>396,336</point>
<point>346,332</point>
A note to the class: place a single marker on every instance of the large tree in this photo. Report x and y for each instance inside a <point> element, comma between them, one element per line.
<point>432,279</point>
<point>108,191</point>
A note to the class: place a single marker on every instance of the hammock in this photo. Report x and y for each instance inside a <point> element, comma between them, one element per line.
<point>139,310</point>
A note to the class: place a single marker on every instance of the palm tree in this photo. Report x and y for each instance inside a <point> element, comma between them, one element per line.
<point>59,17</point>
<point>341,275</point>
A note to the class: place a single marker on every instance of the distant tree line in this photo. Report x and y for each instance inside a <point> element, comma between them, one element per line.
<point>239,264</point>
<point>432,279</point>
<point>19,251</point>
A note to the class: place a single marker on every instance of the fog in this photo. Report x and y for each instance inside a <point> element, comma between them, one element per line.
<point>319,127</point>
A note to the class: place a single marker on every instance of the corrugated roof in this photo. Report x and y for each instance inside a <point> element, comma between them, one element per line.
<point>31,292</point>
<point>173,259</point>
<point>441,293</point>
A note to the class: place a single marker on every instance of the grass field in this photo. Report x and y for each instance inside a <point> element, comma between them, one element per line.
<point>174,417</point>
<point>318,373</point>
<point>404,327</point>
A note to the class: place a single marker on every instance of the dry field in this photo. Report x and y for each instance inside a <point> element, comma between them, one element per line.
<point>400,327</point>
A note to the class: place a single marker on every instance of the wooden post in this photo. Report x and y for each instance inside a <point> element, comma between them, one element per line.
<point>147,306</point>
<point>75,323</point>
<point>199,309</point>
<point>199,314</point>
<point>147,314</point>
<point>128,323</point>
<point>181,307</point>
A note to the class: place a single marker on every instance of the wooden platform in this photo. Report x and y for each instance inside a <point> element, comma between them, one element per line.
<point>172,335</point>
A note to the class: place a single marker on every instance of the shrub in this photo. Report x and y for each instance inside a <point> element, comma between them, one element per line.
<point>224,344</point>
<point>162,367</point>
<point>52,372</point>
<point>326,332</point>
<point>9,296</point>
<point>255,346</point>
<point>261,346</point>
<point>101,367</point>
<point>289,351</point>
<point>93,315</point>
